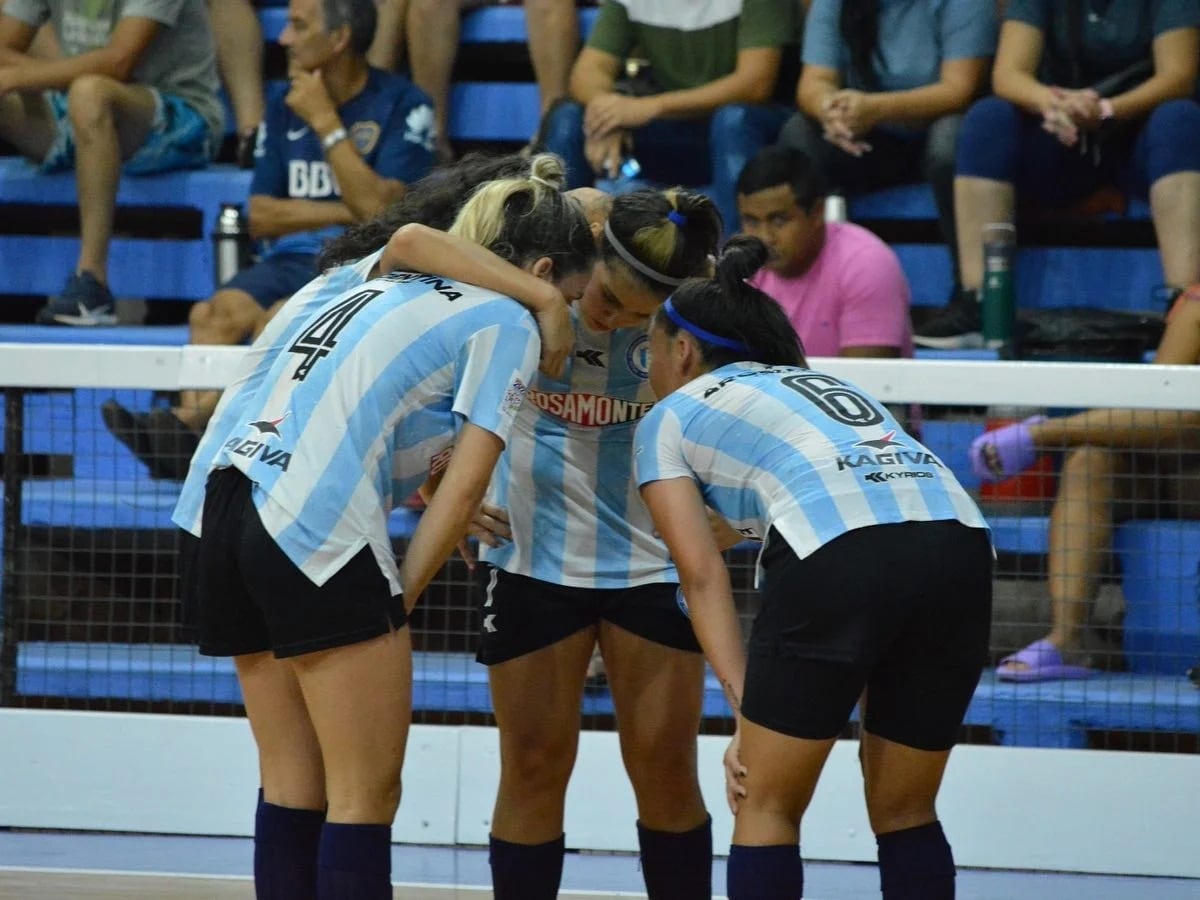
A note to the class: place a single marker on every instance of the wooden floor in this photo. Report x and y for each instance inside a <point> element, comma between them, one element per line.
<point>42,885</point>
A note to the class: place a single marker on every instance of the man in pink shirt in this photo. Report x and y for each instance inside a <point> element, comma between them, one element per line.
<point>840,285</point>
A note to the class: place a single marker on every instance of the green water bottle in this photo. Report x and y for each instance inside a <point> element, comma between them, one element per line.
<point>998,296</point>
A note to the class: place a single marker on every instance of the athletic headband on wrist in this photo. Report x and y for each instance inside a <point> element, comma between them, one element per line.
<point>634,263</point>
<point>677,217</point>
<point>707,336</point>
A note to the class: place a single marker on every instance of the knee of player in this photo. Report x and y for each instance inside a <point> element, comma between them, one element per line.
<point>662,762</point>
<point>537,763</point>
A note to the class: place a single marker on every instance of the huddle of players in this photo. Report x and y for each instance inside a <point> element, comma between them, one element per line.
<point>413,342</point>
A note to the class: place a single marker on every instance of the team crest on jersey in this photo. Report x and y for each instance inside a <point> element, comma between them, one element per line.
<point>638,356</point>
<point>365,136</point>
<point>419,126</point>
<point>589,410</point>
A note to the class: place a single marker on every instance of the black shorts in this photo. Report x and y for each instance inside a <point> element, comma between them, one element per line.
<point>901,610</point>
<point>518,615</point>
<point>248,596</point>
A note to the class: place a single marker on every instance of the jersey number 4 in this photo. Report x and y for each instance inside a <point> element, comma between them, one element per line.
<point>837,400</point>
<point>315,342</point>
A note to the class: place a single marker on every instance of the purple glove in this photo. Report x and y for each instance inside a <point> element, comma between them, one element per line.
<point>996,455</point>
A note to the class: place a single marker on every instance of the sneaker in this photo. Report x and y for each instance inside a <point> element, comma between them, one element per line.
<point>157,438</point>
<point>958,327</point>
<point>84,301</point>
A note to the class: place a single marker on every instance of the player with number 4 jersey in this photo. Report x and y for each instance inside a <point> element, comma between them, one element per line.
<point>294,573</point>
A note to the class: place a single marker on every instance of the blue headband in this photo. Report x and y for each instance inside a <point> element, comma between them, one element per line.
<point>707,336</point>
<point>677,217</point>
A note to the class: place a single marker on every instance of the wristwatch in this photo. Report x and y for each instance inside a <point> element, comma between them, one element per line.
<point>1106,110</point>
<point>334,138</point>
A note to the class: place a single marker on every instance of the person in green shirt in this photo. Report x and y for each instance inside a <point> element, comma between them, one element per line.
<point>704,110</point>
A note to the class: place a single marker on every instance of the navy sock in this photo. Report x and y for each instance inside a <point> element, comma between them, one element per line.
<point>916,864</point>
<point>765,873</point>
<point>355,862</point>
<point>526,871</point>
<point>285,851</point>
<point>677,865</point>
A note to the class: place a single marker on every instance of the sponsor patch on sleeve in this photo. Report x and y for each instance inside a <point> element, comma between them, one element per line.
<point>515,395</point>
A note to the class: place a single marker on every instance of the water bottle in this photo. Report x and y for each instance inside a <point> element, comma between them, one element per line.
<point>231,243</point>
<point>835,208</point>
<point>627,175</point>
<point>998,296</point>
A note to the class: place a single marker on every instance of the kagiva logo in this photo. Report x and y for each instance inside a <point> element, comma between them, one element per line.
<point>901,456</point>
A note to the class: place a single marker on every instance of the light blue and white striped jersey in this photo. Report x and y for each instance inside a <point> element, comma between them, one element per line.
<point>367,398</point>
<point>566,476</point>
<point>803,452</point>
<point>252,370</point>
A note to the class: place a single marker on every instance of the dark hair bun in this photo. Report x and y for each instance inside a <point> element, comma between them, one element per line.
<point>741,258</point>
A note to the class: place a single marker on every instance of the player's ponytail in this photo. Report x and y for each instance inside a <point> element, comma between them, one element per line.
<point>731,320</point>
<point>526,217</point>
<point>662,237</point>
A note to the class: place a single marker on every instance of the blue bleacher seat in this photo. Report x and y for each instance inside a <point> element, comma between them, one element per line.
<point>1054,714</point>
<point>488,25</point>
<point>1047,277</point>
<point>1160,569</point>
<point>139,267</point>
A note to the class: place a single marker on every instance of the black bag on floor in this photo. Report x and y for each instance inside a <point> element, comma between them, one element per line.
<point>1084,334</point>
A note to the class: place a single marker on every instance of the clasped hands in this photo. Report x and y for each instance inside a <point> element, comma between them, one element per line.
<point>846,116</point>
<point>608,120</point>
<point>1069,114</point>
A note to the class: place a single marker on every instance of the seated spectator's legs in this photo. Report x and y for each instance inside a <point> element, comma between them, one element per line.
<point>736,133</point>
<point>110,121</point>
<point>553,27</point>
<point>387,50</point>
<point>563,134</point>
<point>235,313</point>
<point>1098,487</point>
<point>941,141</point>
<point>28,123</point>
<point>1167,158</point>
<point>239,41</point>
<point>675,151</point>
<point>433,30</point>
<point>1000,148</point>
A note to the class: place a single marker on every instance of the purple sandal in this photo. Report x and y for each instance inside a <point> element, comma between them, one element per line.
<point>1041,661</point>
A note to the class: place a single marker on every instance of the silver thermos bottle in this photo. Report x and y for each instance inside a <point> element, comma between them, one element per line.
<point>231,242</point>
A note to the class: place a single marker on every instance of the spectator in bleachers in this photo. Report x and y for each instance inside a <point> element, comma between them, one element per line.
<point>884,89</point>
<point>1087,96</point>
<point>135,90</point>
<point>1120,464</point>
<point>239,42</point>
<point>703,111</point>
<point>841,286</point>
<point>432,30</point>
<point>336,148</point>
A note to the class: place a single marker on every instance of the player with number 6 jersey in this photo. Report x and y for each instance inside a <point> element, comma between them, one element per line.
<point>875,575</point>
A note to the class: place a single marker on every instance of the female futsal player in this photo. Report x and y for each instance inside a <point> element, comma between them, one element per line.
<point>295,576</point>
<point>876,577</point>
<point>583,565</point>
